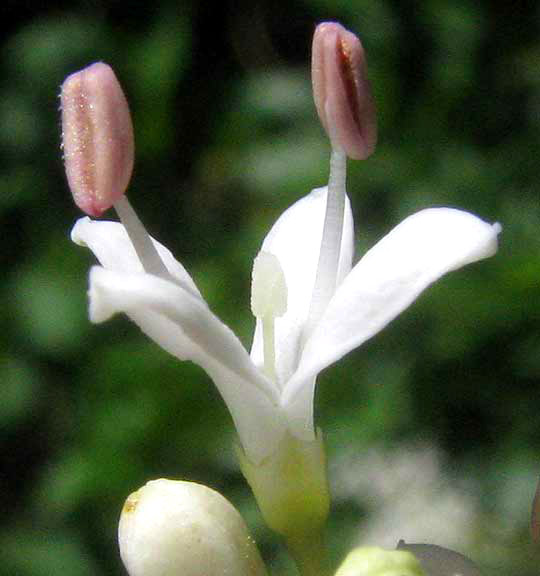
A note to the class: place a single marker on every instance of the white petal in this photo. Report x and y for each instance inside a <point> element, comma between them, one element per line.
<point>295,240</point>
<point>184,326</point>
<point>298,410</point>
<point>389,278</point>
<point>112,247</point>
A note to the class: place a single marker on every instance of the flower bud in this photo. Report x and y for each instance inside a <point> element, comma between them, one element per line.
<point>439,561</point>
<point>378,562</point>
<point>342,91</point>
<point>173,528</point>
<point>97,137</point>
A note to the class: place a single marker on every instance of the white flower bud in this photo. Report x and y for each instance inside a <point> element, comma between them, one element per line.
<point>174,528</point>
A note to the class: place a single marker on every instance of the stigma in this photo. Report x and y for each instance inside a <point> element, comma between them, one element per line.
<point>268,302</point>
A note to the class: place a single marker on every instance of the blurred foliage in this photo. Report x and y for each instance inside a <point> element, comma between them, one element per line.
<point>227,137</point>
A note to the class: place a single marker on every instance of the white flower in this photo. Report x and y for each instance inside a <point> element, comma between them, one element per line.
<point>330,309</point>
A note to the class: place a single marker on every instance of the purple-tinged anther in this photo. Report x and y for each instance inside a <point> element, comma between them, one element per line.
<point>97,137</point>
<point>342,91</point>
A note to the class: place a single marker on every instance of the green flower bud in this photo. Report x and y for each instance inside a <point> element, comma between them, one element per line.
<point>378,562</point>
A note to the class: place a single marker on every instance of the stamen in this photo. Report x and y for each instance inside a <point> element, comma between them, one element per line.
<point>144,247</point>
<point>346,109</point>
<point>268,301</point>
<point>97,137</point>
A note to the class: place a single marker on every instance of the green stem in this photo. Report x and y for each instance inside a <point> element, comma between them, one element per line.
<point>310,553</point>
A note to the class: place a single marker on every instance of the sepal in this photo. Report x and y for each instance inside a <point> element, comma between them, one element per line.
<point>291,489</point>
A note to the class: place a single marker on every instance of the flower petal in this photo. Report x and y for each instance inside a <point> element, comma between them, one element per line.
<point>184,326</point>
<point>298,410</point>
<point>112,247</point>
<point>388,279</point>
<point>295,240</point>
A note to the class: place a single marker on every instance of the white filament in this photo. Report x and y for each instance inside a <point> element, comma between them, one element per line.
<point>327,268</point>
<point>144,247</point>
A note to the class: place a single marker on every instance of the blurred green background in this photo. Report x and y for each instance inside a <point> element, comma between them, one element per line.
<point>432,428</point>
